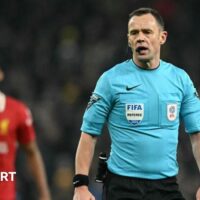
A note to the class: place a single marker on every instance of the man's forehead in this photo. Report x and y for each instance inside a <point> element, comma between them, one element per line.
<point>145,21</point>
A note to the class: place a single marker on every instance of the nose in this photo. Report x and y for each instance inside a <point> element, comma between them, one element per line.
<point>140,37</point>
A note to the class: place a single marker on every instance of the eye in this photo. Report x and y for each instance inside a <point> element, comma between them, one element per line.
<point>147,31</point>
<point>133,32</point>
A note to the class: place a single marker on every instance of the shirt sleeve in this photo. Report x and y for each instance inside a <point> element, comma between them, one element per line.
<point>98,107</point>
<point>190,109</point>
<point>25,131</point>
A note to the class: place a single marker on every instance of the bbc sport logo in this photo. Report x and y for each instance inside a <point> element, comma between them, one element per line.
<point>7,176</point>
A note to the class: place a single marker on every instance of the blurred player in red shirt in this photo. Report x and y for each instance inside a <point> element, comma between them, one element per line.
<point>16,129</point>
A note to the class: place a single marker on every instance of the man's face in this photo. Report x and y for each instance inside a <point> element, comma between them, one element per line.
<point>145,36</point>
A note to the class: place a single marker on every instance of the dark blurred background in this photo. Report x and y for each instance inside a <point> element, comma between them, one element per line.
<point>55,50</point>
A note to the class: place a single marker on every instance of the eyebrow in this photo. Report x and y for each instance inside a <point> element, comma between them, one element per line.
<point>143,30</point>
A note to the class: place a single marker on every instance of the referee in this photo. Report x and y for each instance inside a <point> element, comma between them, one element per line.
<point>142,100</point>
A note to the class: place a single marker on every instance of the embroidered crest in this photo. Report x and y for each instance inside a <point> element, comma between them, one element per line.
<point>4,126</point>
<point>135,113</point>
<point>93,99</point>
<point>172,112</point>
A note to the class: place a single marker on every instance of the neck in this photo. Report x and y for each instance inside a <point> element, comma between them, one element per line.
<point>2,101</point>
<point>147,63</point>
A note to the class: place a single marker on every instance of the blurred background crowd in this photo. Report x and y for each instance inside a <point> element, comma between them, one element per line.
<point>53,52</point>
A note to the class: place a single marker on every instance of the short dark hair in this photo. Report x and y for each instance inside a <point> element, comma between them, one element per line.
<point>143,11</point>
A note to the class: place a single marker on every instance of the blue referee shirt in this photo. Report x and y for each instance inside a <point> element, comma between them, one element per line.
<point>142,109</point>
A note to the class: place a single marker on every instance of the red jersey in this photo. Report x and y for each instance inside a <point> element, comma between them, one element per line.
<point>15,127</point>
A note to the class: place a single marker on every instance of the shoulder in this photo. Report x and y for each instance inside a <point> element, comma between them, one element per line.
<point>15,104</point>
<point>117,70</point>
<point>173,69</point>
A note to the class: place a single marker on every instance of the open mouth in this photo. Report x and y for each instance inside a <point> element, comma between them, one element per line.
<point>141,49</point>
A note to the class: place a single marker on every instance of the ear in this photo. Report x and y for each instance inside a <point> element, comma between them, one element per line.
<point>129,43</point>
<point>163,37</point>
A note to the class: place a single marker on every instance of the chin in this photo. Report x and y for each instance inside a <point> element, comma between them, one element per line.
<point>144,59</point>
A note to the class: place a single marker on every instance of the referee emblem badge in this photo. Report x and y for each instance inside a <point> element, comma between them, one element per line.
<point>93,99</point>
<point>171,112</point>
<point>135,113</point>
